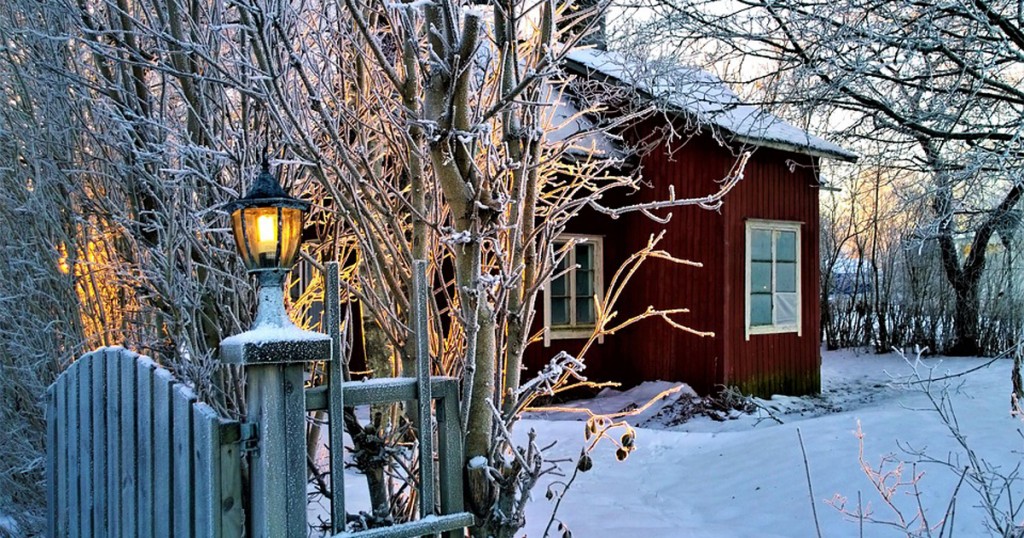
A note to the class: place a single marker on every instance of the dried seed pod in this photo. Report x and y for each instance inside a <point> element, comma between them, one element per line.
<point>627,439</point>
<point>621,454</point>
<point>585,463</point>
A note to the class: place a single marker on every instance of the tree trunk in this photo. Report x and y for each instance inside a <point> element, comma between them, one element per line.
<point>1017,397</point>
<point>826,320</point>
<point>965,320</point>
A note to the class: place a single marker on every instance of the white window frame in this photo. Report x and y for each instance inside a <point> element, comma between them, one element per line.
<point>575,331</point>
<point>774,328</point>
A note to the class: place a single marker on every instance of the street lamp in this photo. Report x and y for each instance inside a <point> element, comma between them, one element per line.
<point>267,225</point>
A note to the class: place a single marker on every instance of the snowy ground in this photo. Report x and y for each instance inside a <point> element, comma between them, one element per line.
<point>746,477</point>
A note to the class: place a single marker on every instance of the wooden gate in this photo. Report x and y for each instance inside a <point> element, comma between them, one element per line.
<point>131,452</point>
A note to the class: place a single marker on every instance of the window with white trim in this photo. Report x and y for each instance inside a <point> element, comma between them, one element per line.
<point>773,277</point>
<point>570,296</point>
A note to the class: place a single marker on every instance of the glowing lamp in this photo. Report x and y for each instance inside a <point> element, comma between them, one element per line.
<point>267,224</point>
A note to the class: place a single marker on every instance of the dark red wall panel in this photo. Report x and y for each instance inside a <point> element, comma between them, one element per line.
<point>777,186</point>
<point>714,293</point>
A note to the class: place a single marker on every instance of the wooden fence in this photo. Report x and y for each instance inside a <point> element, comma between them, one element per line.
<point>131,452</point>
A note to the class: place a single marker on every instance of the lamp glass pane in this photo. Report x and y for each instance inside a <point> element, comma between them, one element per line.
<point>239,231</point>
<point>258,230</point>
<point>291,234</point>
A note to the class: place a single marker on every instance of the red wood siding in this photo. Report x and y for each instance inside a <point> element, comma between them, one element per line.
<point>657,350</point>
<point>773,363</point>
<point>650,349</point>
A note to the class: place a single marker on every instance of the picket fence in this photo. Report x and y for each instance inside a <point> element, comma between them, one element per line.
<point>131,452</point>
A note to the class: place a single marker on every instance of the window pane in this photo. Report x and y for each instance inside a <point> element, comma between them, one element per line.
<point>559,311</point>
<point>558,286</point>
<point>785,277</point>
<point>585,256</point>
<point>785,247</point>
<point>584,283</point>
<point>761,245</point>
<point>563,260</point>
<point>760,277</point>
<point>760,309</point>
<point>585,311</point>
<point>785,308</point>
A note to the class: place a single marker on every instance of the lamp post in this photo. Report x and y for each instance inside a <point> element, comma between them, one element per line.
<point>267,225</point>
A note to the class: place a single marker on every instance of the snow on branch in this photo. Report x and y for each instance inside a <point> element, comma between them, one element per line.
<point>551,375</point>
<point>710,202</point>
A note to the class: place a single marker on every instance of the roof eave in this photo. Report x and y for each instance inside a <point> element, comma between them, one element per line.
<point>795,148</point>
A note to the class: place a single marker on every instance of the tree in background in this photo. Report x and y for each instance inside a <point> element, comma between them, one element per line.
<point>420,130</point>
<point>927,87</point>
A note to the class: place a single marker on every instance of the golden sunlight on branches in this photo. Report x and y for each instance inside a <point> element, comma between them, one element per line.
<point>104,301</point>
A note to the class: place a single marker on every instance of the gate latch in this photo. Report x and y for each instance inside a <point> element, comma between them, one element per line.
<point>250,440</point>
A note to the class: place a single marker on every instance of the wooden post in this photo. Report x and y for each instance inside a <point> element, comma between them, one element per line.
<point>274,354</point>
<point>276,404</point>
<point>425,423</point>
<point>336,402</point>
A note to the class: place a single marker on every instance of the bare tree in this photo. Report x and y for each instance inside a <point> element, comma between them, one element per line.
<point>421,130</point>
<point>936,83</point>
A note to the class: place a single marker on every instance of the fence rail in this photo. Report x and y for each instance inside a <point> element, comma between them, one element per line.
<point>131,452</point>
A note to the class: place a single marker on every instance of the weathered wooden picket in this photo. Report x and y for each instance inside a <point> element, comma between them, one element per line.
<point>132,453</point>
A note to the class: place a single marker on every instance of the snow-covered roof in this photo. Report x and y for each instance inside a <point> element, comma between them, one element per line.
<point>564,123</point>
<point>708,99</point>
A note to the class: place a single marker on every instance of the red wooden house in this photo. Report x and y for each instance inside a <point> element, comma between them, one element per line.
<point>758,288</point>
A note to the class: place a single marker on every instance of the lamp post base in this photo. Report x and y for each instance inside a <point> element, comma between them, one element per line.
<point>277,405</point>
<point>274,338</point>
<point>256,352</point>
<point>274,353</point>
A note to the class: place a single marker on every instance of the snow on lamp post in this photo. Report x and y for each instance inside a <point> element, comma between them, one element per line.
<point>267,224</point>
